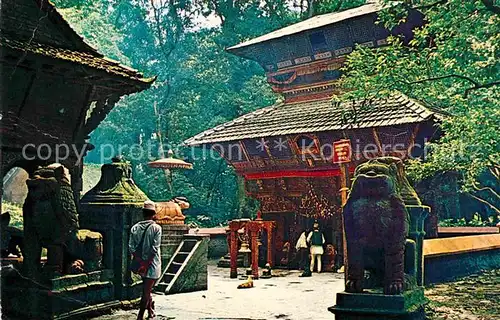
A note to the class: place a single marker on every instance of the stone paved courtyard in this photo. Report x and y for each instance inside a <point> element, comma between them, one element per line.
<point>289,297</point>
<point>286,296</point>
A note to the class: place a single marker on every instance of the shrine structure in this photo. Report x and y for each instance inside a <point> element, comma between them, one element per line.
<point>285,151</point>
<point>55,91</point>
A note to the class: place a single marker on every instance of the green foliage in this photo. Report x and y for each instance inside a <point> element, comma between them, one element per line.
<point>476,221</point>
<point>96,30</point>
<point>16,213</point>
<point>199,86</point>
<point>327,6</point>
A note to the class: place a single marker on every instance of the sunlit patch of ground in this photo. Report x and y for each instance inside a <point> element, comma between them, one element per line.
<point>284,297</point>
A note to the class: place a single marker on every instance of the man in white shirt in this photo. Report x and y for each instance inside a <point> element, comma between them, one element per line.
<point>302,249</point>
<point>150,254</point>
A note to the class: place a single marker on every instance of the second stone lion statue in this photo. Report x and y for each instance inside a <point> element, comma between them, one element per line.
<point>376,225</point>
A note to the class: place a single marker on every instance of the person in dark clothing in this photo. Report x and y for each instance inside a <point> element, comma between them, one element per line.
<point>302,249</point>
<point>316,240</point>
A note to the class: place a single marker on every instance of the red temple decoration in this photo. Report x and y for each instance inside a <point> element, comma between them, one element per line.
<point>252,230</point>
<point>286,152</point>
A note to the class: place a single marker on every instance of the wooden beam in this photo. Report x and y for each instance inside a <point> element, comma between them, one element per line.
<point>27,93</point>
<point>411,143</point>
<point>377,141</point>
<point>77,134</point>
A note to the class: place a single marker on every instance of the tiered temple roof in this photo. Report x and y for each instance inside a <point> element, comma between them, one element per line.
<point>310,24</point>
<point>56,89</point>
<point>318,116</point>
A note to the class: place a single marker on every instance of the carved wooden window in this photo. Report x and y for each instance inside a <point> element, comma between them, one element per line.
<point>306,144</point>
<point>257,147</point>
<point>318,41</point>
<point>280,148</point>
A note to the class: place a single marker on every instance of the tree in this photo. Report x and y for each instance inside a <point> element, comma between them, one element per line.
<point>199,85</point>
<point>451,64</point>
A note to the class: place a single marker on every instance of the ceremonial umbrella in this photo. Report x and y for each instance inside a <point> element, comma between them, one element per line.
<point>170,163</point>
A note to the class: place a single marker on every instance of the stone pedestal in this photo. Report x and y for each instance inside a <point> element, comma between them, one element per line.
<point>171,237</point>
<point>377,306</point>
<point>65,297</point>
<point>114,221</point>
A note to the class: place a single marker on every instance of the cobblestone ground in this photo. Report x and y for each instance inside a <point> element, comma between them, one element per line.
<point>285,297</point>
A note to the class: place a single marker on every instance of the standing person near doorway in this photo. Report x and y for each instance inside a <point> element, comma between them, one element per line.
<point>316,239</point>
<point>145,240</point>
<point>302,249</point>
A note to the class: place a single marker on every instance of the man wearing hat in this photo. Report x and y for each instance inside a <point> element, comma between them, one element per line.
<point>149,233</point>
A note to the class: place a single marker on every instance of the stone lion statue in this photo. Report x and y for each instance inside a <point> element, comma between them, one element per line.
<point>376,225</point>
<point>51,221</point>
<point>171,212</point>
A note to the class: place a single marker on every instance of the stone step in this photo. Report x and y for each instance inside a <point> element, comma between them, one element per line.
<point>188,245</point>
<point>161,287</point>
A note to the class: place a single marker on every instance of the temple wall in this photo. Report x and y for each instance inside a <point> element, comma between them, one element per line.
<point>172,235</point>
<point>450,258</point>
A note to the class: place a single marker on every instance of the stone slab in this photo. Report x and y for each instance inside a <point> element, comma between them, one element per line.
<point>460,245</point>
<point>352,306</point>
<point>63,295</point>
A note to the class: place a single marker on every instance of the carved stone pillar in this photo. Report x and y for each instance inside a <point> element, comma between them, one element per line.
<point>418,214</point>
<point>233,248</point>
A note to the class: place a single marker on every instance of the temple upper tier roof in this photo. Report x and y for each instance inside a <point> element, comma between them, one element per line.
<point>318,116</point>
<point>311,23</point>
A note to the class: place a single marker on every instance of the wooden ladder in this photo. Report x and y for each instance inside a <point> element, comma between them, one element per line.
<point>176,265</point>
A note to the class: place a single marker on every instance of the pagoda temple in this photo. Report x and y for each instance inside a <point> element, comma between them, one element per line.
<point>285,152</point>
<point>55,90</point>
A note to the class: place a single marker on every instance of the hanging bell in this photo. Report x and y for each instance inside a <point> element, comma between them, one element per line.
<point>245,247</point>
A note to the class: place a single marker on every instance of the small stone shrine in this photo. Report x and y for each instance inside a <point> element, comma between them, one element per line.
<point>112,207</point>
<point>384,223</point>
